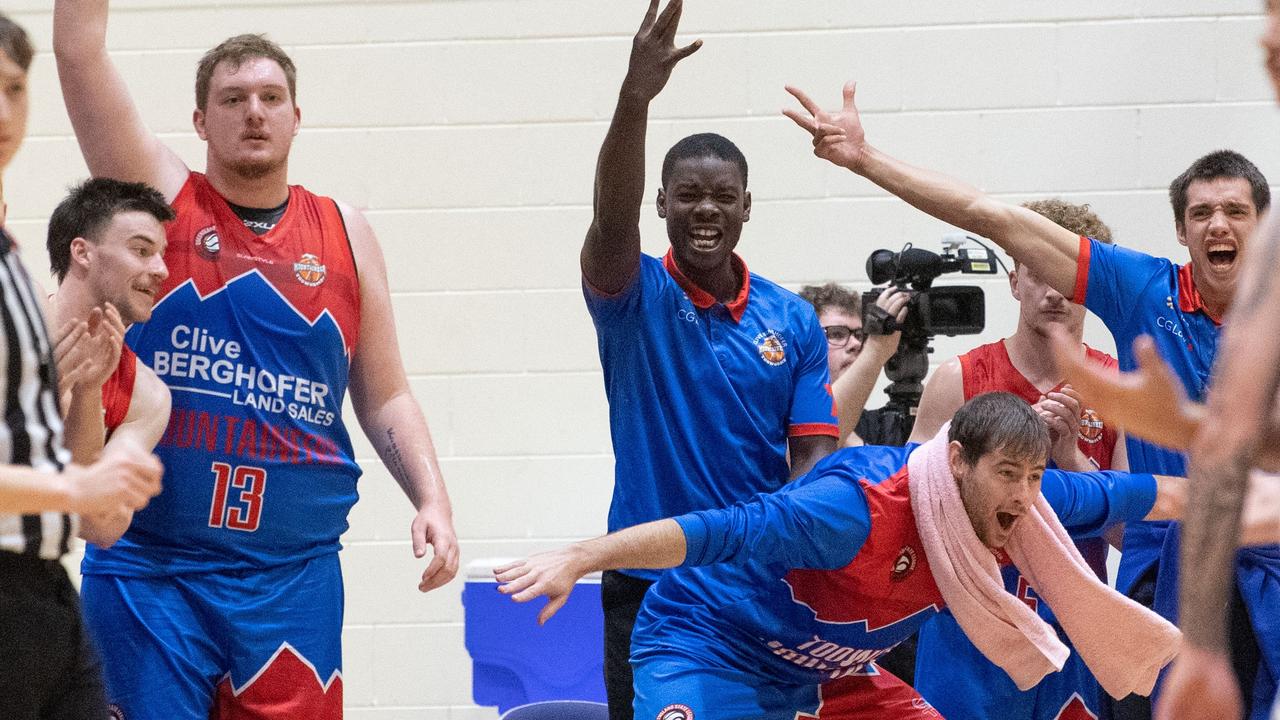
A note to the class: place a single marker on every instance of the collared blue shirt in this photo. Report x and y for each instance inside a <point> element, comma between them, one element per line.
<point>703,395</point>
<point>1137,294</point>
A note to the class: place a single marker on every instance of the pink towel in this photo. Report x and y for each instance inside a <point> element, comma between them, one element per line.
<point>1123,643</point>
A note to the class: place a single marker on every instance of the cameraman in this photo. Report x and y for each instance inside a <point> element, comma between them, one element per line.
<point>854,358</point>
<point>1021,364</point>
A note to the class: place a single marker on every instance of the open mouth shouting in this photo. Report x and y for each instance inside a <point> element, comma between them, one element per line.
<point>1006,520</point>
<point>1221,255</point>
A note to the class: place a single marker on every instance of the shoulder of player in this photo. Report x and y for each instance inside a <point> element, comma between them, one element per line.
<point>364,243</point>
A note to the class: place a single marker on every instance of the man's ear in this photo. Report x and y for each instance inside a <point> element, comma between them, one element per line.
<point>197,121</point>
<point>662,203</point>
<point>746,206</point>
<point>81,251</point>
<point>955,459</point>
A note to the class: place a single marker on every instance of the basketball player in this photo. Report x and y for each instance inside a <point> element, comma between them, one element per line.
<point>226,592</point>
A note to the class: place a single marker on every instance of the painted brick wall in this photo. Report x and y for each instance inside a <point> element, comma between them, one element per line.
<point>468,129</point>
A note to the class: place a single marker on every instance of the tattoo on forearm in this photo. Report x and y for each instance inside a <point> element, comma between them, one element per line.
<point>395,460</point>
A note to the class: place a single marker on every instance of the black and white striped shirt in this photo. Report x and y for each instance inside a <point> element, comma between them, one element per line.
<point>30,425</point>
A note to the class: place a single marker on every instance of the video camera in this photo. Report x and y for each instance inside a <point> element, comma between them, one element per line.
<point>945,310</point>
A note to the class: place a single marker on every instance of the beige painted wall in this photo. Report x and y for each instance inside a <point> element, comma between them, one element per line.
<point>468,129</point>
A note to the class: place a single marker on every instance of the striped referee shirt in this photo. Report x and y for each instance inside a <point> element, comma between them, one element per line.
<point>30,425</point>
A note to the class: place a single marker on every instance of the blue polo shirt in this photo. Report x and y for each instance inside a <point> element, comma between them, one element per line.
<point>703,395</point>
<point>1137,294</point>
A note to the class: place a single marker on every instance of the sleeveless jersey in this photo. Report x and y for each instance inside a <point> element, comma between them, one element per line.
<point>253,335</point>
<point>117,391</point>
<point>987,368</point>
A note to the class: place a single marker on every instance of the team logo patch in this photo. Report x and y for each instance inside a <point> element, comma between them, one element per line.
<point>115,713</point>
<point>207,242</point>
<point>904,565</point>
<point>1090,426</point>
<point>308,270</point>
<point>773,349</point>
<point>675,712</point>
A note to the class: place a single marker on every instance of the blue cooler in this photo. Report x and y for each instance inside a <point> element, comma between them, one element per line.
<point>515,661</point>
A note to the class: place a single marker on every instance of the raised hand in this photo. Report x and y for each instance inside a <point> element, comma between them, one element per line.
<point>1148,402</point>
<point>654,53</point>
<point>838,136</point>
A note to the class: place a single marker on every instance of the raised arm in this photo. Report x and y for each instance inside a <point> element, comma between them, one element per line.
<point>611,251</point>
<point>113,138</point>
<point>1029,237</point>
<point>390,416</point>
<point>143,425</point>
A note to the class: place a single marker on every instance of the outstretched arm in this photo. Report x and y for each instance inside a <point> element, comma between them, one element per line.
<point>390,416</point>
<point>654,545</point>
<point>1044,246</point>
<point>1148,402</point>
<point>113,138</point>
<point>611,251</point>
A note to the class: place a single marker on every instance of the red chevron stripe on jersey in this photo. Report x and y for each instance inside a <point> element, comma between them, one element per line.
<point>286,687</point>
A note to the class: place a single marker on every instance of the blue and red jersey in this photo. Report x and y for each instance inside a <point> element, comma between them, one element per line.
<point>703,395</point>
<point>1136,294</point>
<point>253,335</point>
<point>815,581</point>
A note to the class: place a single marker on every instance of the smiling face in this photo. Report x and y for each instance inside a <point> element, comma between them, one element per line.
<point>124,265</point>
<point>1216,226</point>
<point>997,491</point>
<point>705,204</point>
<point>249,119</point>
<point>1041,308</point>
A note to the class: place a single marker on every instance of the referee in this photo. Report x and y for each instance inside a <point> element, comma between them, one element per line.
<point>47,669</point>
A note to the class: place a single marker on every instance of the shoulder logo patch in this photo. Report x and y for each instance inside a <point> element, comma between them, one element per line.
<point>773,349</point>
<point>308,270</point>
<point>207,243</point>
<point>904,565</point>
<point>675,712</point>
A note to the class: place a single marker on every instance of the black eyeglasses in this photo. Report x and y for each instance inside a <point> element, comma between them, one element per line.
<point>838,335</point>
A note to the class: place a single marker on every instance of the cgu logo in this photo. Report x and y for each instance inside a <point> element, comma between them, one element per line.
<point>1165,323</point>
<point>687,315</point>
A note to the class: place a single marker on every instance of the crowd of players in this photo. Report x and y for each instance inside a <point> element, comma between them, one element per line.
<point>752,570</point>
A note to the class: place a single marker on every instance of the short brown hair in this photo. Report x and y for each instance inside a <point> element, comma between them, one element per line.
<point>822,297</point>
<point>236,50</point>
<point>15,43</point>
<point>999,422</point>
<point>1079,219</point>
